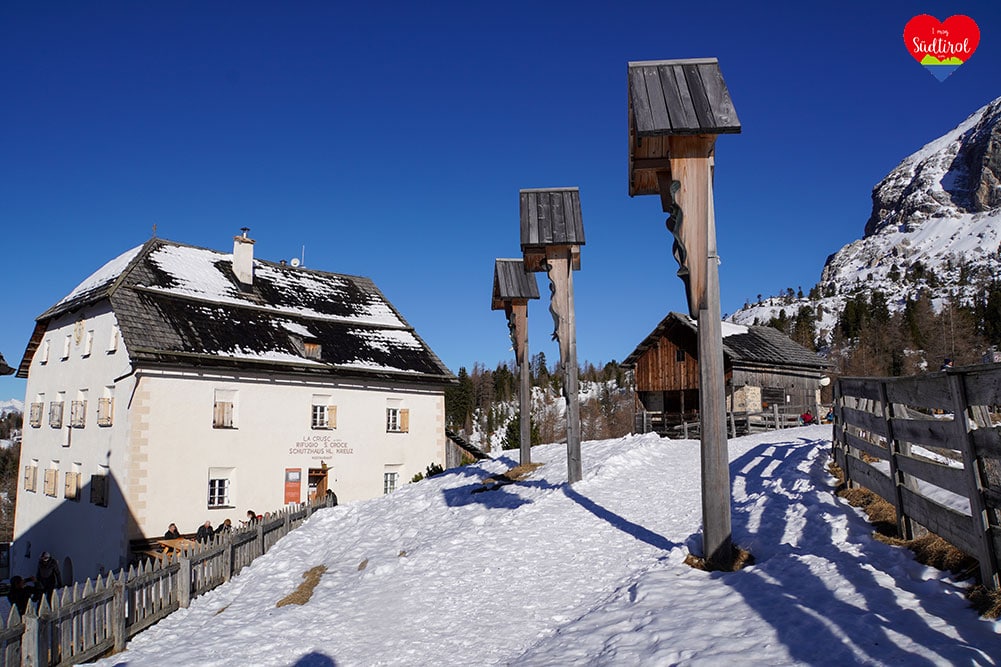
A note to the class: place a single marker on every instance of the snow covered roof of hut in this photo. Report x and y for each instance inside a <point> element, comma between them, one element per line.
<point>742,343</point>
<point>180,303</point>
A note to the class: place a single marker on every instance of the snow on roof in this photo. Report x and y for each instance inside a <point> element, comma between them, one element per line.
<point>201,273</point>
<point>104,276</point>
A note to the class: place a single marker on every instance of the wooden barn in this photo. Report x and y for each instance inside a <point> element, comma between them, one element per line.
<point>764,368</point>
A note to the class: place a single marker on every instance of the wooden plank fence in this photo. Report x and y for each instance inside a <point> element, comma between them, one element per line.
<point>78,623</point>
<point>953,416</point>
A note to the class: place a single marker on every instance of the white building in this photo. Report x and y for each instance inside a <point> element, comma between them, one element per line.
<point>180,384</point>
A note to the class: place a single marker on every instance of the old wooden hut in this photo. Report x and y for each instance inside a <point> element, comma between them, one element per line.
<point>763,368</point>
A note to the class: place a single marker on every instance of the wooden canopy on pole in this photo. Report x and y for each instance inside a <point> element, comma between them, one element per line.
<point>552,232</point>
<point>513,287</point>
<point>676,110</point>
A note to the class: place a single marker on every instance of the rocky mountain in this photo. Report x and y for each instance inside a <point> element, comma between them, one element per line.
<point>935,226</point>
<point>11,405</point>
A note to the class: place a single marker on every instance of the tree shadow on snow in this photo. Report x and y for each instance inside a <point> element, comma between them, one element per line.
<point>862,620</point>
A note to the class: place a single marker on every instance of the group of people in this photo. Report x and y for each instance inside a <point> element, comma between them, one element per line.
<point>808,418</point>
<point>205,532</point>
<point>47,578</point>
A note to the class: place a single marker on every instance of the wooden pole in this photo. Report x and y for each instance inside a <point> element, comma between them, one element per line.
<point>686,192</point>
<point>517,314</point>
<point>717,537</point>
<point>560,272</point>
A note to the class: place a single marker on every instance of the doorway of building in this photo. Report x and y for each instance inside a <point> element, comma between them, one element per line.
<point>318,482</point>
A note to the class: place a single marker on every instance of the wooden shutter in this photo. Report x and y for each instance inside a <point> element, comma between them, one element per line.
<point>222,415</point>
<point>104,409</point>
<point>30,478</point>
<point>72,486</point>
<point>99,490</point>
<point>51,477</point>
<point>331,416</point>
<point>405,420</point>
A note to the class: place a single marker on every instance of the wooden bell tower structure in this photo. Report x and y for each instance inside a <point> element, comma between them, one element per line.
<point>513,287</point>
<point>676,110</point>
<point>551,236</point>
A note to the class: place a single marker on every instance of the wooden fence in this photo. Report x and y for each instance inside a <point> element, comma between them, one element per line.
<point>81,623</point>
<point>931,445</point>
<point>737,423</point>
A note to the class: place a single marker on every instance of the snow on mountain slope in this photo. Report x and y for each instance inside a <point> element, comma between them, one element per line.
<point>540,573</point>
<point>11,405</point>
<point>935,224</point>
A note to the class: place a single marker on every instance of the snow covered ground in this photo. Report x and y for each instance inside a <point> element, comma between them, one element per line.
<point>539,573</point>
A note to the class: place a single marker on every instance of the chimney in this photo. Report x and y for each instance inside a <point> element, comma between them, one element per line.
<point>243,258</point>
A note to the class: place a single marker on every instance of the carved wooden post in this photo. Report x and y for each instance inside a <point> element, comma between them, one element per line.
<point>676,110</point>
<point>551,235</point>
<point>513,287</point>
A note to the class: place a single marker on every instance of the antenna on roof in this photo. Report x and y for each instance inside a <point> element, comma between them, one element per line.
<point>154,230</point>
<point>294,262</point>
<point>303,260</point>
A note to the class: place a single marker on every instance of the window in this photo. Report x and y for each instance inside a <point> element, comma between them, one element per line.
<point>35,414</point>
<point>51,480</point>
<point>223,409</point>
<point>71,486</point>
<point>44,357</point>
<point>311,350</point>
<point>88,343</point>
<point>31,477</point>
<point>219,492</point>
<point>105,408</point>
<point>397,420</point>
<point>67,343</point>
<point>679,355</point>
<point>113,341</point>
<point>78,411</point>
<point>99,488</point>
<point>324,415</point>
<point>56,414</point>
<point>389,480</point>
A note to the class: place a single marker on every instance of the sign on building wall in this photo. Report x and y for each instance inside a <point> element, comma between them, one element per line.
<point>293,485</point>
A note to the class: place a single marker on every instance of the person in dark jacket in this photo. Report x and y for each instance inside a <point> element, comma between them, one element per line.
<point>19,593</point>
<point>172,532</point>
<point>205,532</point>
<point>48,576</point>
<point>224,527</point>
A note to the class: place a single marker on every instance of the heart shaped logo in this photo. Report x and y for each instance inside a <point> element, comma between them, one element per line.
<point>941,46</point>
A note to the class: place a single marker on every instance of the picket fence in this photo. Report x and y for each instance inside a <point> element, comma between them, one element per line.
<point>82,623</point>
<point>879,421</point>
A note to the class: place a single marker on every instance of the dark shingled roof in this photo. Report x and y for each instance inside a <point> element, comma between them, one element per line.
<point>760,345</point>
<point>4,368</point>
<point>512,283</point>
<point>181,304</point>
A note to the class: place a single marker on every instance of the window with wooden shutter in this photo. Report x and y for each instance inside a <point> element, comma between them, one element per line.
<point>56,414</point>
<point>105,407</point>
<point>78,414</point>
<point>31,478</point>
<point>71,490</point>
<point>51,480</point>
<point>35,414</point>
<point>224,409</point>
<point>99,490</point>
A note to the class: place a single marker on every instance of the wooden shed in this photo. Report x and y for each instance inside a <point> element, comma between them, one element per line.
<point>763,368</point>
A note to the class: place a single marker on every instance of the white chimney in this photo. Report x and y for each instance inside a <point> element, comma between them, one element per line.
<point>243,258</point>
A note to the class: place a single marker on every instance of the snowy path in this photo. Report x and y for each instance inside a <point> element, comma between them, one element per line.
<point>537,573</point>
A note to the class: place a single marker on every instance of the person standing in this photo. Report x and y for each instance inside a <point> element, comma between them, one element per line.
<point>47,577</point>
<point>172,532</point>
<point>205,532</point>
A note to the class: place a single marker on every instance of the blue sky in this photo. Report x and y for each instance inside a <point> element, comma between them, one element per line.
<point>391,141</point>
